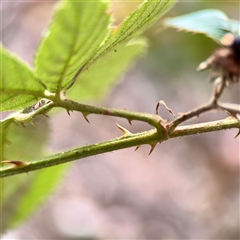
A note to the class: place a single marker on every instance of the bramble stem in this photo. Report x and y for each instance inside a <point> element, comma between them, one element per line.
<point>148,137</point>
<point>83,152</point>
<point>162,131</point>
<point>219,86</point>
<point>227,123</point>
<point>193,113</point>
<point>152,119</point>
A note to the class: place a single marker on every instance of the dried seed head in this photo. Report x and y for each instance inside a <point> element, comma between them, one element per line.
<point>225,62</point>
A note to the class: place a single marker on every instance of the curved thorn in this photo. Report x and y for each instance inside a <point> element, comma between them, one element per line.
<point>85,116</point>
<point>161,102</point>
<point>130,121</point>
<point>157,108</point>
<point>153,145</point>
<point>68,112</point>
<point>137,147</point>
<point>237,133</point>
<point>124,130</point>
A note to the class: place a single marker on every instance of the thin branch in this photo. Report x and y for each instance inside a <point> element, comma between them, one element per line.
<point>148,137</point>
<point>193,113</point>
<point>231,108</point>
<point>213,126</point>
<point>83,152</point>
<point>152,119</point>
<point>219,86</point>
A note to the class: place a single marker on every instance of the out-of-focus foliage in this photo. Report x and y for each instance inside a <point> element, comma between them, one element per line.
<point>94,82</point>
<point>212,23</point>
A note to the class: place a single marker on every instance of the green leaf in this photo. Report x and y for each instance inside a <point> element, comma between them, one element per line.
<point>21,143</point>
<point>41,186</point>
<point>212,23</point>
<point>11,192</point>
<point>94,83</point>
<point>234,26</point>
<point>144,16</point>
<point>117,52</point>
<point>4,124</point>
<point>22,195</point>
<point>76,32</point>
<point>18,87</point>
<point>24,144</point>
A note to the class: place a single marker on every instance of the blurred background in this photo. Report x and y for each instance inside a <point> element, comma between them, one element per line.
<point>188,188</point>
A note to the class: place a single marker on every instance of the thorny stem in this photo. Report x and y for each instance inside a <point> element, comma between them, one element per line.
<point>152,119</point>
<point>83,152</point>
<point>219,86</point>
<point>199,128</point>
<point>232,108</point>
<point>163,130</point>
<point>193,113</point>
<point>148,137</point>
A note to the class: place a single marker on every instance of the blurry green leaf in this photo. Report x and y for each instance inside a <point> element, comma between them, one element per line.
<point>21,195</point>
<point>24,144</point>
<point>234,26</point>
<point>12,190</point>
<point>41,186</point>
<point>4,124</point>
<point>147,13</point>
<point>212,23</point>
<point>76,38</point>
<point>18,87</point>
<point>77,30</point>
<point>116,54</point>
<point>94,83</point>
